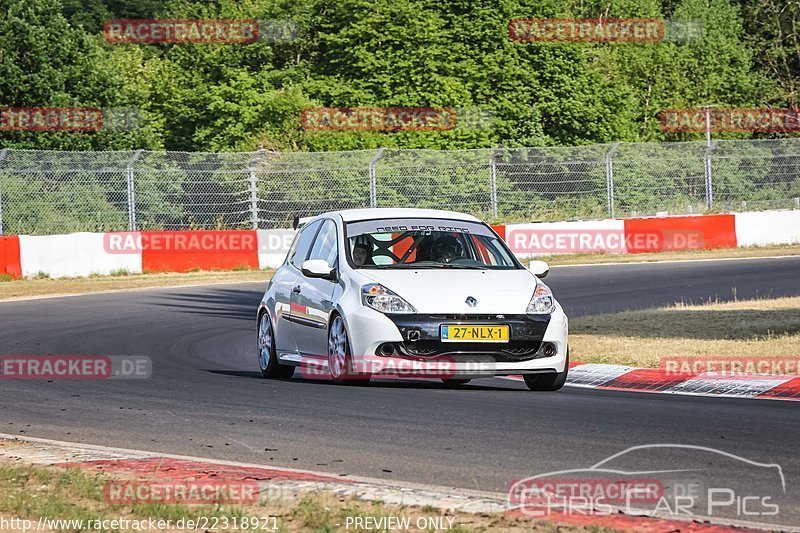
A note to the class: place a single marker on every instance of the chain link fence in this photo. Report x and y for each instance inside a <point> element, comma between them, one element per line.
<point>48,192</point>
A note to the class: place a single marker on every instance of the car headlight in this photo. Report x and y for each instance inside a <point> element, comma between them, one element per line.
<point>384,300</point>
<point>542,300</point>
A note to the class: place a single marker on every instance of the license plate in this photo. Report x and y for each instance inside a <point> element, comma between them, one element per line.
<point>458,333</point>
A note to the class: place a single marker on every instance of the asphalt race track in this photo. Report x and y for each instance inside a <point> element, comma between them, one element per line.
<point>206,398</point>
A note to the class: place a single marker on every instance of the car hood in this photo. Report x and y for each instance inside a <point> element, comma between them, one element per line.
<point>446,290</point>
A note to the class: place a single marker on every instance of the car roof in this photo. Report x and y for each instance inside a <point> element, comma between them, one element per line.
<point>351,215</point>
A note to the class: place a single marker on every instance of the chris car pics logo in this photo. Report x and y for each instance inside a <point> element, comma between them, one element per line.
<point>664,480</point>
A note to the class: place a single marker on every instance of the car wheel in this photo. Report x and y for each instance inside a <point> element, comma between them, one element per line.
<point>547,382</point>
<point>455,381</point>
<point>340,360</point>
<point>267,359</point>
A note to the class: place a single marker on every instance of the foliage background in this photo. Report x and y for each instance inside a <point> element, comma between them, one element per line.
<point>440,53</point>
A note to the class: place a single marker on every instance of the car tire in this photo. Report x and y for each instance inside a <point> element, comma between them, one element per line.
<point>453,382</point>
<point>267,358</point>
<point>340,358</point>
<point>547,382</point>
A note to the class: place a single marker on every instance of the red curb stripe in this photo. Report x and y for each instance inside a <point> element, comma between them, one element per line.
<point>184,470</point>
<point>786,391</point>
<point>572,364</point>
<point>644,379</point>
<point>656,380</point>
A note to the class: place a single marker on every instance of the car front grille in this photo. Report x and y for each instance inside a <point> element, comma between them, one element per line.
<point>469,318</point>
<point>460,352</point>
<point>422,338</point>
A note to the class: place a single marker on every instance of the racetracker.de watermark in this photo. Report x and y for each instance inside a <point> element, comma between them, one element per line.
<point>392,119</point>
<point>377,119</point>
<point>586,30</point>
<point>540,496</point>
<point>165,492</point>
<point>573,241</point>
<point>602,30</point>
<point>730,120</point>
<point>75,367</point>
<point>51,119</point>
<point>443,367</point>
<point>749,367</point>
<point>69,119</point>
<point>184,31</point>
<point>230,241</point>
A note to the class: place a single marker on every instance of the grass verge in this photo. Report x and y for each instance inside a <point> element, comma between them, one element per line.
<point>43,286</point>
<point>751,328</point>
<point>32,492</point>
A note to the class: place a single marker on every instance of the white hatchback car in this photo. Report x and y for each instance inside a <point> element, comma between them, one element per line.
<point>410,292</point>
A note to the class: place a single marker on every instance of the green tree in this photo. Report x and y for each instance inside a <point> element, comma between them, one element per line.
<point>45,62</point>
<point>773,32</point>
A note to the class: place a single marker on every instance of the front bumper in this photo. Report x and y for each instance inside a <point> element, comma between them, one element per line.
<point>422,339</point>
<point>417,346</point>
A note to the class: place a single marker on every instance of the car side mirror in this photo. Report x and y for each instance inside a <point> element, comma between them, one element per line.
<point>318,268</point>
<point>539,268</point>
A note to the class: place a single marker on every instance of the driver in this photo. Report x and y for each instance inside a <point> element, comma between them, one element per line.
<point>362,255</point>
<point>447,248</point>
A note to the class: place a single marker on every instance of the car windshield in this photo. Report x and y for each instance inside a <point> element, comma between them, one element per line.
<point>425,243</point>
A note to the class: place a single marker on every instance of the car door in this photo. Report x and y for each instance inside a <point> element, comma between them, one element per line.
<point>313,302</point>
<point>284,282</point>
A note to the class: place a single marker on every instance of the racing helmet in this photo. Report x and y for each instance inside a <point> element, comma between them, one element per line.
<point>446,247</point>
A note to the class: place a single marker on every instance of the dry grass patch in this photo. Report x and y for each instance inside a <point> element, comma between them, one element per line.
<point>753,328</point>
<point>30,492</point>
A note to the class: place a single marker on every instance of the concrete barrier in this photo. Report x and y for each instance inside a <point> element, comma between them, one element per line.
<point>84,254</point>
<point>556,238</point>
<point>181,251</point>
<point>273,245</point>
<point>765,228</point>
<point>72,255</point>
<point>698,232</point>
<point>9,257</point>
